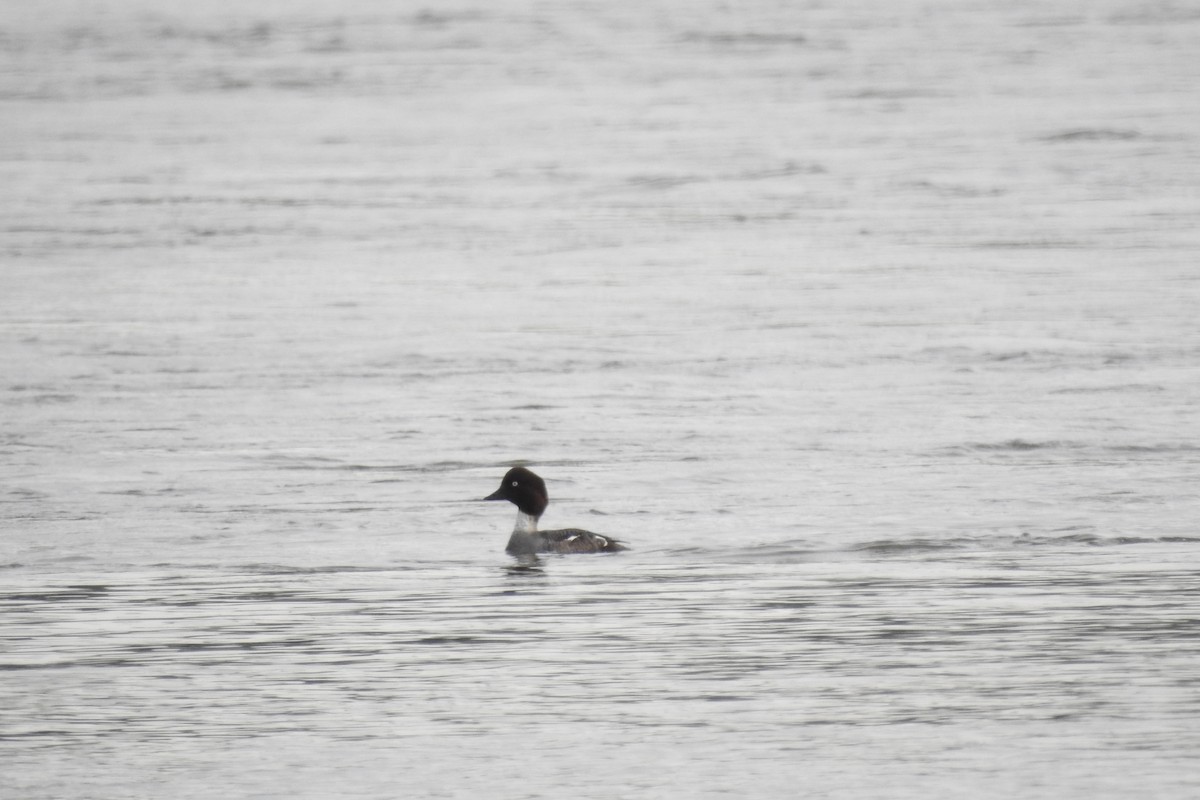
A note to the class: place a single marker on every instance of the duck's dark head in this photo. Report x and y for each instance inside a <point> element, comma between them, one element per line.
<point>523,489</point>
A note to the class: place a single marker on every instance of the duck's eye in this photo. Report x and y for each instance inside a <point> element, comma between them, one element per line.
<point>516,483</point>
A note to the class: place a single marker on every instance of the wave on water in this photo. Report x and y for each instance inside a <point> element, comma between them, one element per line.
<point>900,547</point>
<point>1022,445</point>
<point>1117,387</point>
<point>57,594</point>
<point>1093,135</point>
<point>1019,445</point>
<point>788,552</point>
<point>1097,540</point>
<point>309,462</point>
<point>885,547</point>
<point>918,545</point>
<point>331,569</point>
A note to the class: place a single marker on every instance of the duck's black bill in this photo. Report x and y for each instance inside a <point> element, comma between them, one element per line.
<point>496,495</point>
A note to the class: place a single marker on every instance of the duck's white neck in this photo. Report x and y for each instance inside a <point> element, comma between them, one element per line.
<point>526,524</point>
<point>524,539</point>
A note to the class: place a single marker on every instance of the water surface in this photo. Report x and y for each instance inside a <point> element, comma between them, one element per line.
<point>870,326</point>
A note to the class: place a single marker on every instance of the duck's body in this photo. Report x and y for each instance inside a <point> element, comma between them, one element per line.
<point>527,492</point>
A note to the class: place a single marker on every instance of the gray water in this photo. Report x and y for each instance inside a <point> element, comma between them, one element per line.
<point>872,326</point>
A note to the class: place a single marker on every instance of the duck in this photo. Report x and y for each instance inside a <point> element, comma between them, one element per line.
<point>527,491</point>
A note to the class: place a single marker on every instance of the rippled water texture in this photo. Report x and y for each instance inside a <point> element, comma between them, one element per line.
<point>871,326</point>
